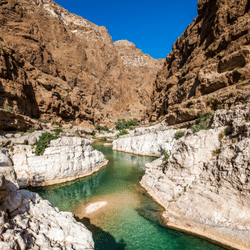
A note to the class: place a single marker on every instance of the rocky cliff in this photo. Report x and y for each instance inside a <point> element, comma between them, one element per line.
<point>141,70</point>
<point>29,222</point>
<point>203,183</point>
<point>208,67</point>
<point>58,66</point>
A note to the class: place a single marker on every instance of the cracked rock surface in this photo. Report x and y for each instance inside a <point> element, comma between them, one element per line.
<point>29,222</point>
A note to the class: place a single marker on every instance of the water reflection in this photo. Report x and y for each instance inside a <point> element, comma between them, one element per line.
<point>130,219</point>
<point>66,196</point>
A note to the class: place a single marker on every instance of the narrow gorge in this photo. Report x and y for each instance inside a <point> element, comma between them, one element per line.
<point>104,147</point>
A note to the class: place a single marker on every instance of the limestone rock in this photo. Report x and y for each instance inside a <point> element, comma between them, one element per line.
<point>184,165</point>
<point>204,185</point>
<point>5,160</point>
<point>66,159</point>
<point>147,144</point>
<point>3,141</point>
<point>29,222</point>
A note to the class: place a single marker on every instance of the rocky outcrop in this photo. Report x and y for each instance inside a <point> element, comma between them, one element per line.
<point>59,66</point>
<point>67,158</point>
<point>152,144</point>
<point>141,70</point>
<point>29,222</point>
<point>208,67</point>
<point>204,184</point>
<point>9,120</point>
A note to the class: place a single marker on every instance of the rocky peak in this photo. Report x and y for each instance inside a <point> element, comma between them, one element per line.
<point>135,57</point>
<point>58,66</point>
<point>78,25</point>
<point>140,68</point>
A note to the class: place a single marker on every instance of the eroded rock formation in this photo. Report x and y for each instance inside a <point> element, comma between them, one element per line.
<point>150,141</point>
<point>204,185</point>
<point>66,159</point>
<point>209,65</point>
<point>29,222</point>
<point>141,70</point>
<point>59,66</point>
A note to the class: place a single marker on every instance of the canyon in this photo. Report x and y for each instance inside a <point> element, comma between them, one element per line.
<point>60,72</point>
<point>58,66</point>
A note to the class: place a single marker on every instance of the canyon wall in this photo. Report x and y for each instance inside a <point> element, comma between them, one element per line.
<point>208,67</point>
<point>59,66</point>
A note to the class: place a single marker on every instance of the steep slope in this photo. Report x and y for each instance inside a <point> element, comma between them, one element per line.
<point>58,66</point>
<point>208,67</point>
<point>141,69</point>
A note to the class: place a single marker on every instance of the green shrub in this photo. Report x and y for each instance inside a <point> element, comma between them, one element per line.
<point>122,124</point>
<point>216,152</point>
<point>22,134</point>
<point>43,142</point>
<point>211,100</point>
<point>7,108</point>
<point>122,132</point>
<point>31,130</point>
<point>166,155</point>
<point>203,122</point>
<point>221,135</point>
<point>11,149</point>
<point>105,128</point>
<point>78,133</point>
<point>219,106</point>
<point>43,120</point>
<point>101,139</point>
<point>58,124</point>
<point>179,134</point>
<point>58,131</point>
<point>99,128</point>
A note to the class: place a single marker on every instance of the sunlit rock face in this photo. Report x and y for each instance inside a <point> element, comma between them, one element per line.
<point>204,184</point>
<point>59,66</point>
<point>66,159</point>
<point>141,70</point>
<point>208,66</point>
<point>29,222</point>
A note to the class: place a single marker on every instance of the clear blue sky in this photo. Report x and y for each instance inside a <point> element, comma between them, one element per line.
<point>152,25</point>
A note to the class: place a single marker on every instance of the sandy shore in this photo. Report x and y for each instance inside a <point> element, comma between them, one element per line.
<point>175,220</point>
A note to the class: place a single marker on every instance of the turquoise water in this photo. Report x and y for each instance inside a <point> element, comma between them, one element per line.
<point>129,218</point>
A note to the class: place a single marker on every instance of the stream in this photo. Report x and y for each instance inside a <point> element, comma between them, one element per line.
<point>117,210</point>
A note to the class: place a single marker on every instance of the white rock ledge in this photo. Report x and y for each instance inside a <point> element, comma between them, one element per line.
<point>29,222</point>
<point>67,159</point>
<point>150,144</point>
<point>204,186</point>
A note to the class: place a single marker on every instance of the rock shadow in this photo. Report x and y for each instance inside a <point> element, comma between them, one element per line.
<point>103,240</point>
